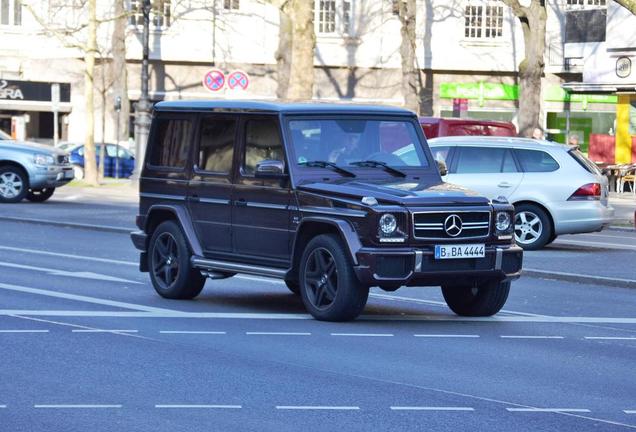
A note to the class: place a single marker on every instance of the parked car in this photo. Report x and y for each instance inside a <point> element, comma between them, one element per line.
<point>441,126</point>
<point>555,189</point>
<point>314,194</point>
<point>119,161</point>
<point>31,171</point>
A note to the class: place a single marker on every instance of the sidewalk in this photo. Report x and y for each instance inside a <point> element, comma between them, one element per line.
<point>624,206</point>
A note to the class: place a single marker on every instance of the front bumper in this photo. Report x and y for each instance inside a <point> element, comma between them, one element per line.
<point>418,267</point>
<point>51,176</point>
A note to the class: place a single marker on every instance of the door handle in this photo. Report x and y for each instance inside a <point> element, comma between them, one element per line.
<point>241,202</point>
<point>505,185</point>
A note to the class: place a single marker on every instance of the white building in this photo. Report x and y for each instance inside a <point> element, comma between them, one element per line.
<point>466,49</point>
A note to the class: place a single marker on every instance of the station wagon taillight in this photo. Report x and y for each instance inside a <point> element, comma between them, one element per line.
<point>590,191</point>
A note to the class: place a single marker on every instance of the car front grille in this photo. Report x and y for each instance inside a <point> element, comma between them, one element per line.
<point>62,160</point>
<point>432,225</point>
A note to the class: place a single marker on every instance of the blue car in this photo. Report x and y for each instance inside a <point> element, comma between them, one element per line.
<point>119,163</point>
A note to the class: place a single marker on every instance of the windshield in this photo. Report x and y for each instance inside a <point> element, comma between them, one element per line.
<point>347,142</point>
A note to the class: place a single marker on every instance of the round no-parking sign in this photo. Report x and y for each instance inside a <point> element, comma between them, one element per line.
<point>214,80</point>
<point>238,79</point>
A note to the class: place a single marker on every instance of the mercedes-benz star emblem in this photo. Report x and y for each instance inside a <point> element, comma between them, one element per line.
<point>453,225</point>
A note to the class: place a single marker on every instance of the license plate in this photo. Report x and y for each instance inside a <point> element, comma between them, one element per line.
<point>69,174</point>
<point>459,251</point>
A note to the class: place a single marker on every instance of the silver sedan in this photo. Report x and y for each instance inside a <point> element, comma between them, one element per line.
<point>555,188</point>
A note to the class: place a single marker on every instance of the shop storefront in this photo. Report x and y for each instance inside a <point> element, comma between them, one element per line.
<point>28,109</point>
<point>484,100</point>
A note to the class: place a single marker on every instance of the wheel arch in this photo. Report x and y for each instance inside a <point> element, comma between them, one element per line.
<point>159,213</point>
<point>4,163</point>
<point>542,207</point>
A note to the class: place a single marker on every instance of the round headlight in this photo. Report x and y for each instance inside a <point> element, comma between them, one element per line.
<point>503,221</point>
<point>388,224</point>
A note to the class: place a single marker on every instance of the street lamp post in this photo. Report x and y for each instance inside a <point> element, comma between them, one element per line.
<point>142,108</point>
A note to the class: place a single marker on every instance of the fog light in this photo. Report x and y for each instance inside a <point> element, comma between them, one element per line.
<point>388,224</point>
<point>503,221</point>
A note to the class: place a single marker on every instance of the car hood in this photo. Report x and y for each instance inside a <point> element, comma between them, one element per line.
<point>30,146</point>
<point>404,192</point>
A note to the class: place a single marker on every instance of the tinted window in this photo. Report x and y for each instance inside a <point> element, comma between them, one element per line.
<point>262,142</point>
<point>509,163</point>
<point>171,143</point>
<point>481,160</point>
<point>216,145</point>
<point>536,161</point>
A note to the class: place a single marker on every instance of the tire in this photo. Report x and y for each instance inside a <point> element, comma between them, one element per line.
<point>293,286</point>
<point>40,195</point>
<point>476,300</point>
<point>169,266</point>
<point>14,184</point>
<point>329,288</point>
<point>533,228</point>
<point>552,238</point>
<point>78,172</point>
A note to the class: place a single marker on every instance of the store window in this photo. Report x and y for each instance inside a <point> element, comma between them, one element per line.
<point>582,124</point>
<point>11,12</point>
<point>483,21</point>
<point>160,13</point>
<point>332,16</point>
<point>231,4</point>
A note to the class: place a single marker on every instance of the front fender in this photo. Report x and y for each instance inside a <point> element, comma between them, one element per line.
<point>344,228</point>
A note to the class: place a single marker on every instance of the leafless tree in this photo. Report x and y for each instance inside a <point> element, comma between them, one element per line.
<point>411,77</point>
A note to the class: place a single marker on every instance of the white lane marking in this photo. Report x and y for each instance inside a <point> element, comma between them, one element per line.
<point>530,337</point>
<point>446,335</point>
<point>317,407</point>
<point>64,255</point>
<point>550,410</point>
<point>438,303</point>
<point>82,298</point>
<point>629,411</point>
<point>596,244</point>
<point>198,406</point>
<point>278,333</point>
<point>192,332</point>
<point>294,316</point>
<point>3,406</point>
<point>430,408</point>
<point>65,273</point>
<point>103,331</point>
<point>24,331</point>
<point>579,275</point>
<point>610,338</point>
<point>363,334</point>
<point>80,406</point>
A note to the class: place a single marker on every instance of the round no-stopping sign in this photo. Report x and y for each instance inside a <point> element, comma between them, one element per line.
<point>238,79</point>
<point>214,80</point>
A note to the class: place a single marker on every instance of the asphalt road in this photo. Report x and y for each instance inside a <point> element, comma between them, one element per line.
<point>86,344</point>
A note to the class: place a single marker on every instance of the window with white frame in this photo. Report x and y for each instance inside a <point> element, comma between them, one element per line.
<point>483,21</point>
<point>231,4</point>
<point>584,4</point>
<point>11,12</point>
<point>160,13</point>
<point>333,16</point>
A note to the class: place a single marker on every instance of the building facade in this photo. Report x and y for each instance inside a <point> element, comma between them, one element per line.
<point>466,49</point>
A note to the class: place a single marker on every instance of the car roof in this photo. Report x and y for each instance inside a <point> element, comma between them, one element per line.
<point>495,141</point>
<point>464,120</point>
<point>287,107</point>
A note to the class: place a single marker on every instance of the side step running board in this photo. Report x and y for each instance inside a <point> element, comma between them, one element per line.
<point>214,265</point>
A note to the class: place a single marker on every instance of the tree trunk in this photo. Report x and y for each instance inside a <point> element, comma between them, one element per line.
<point>90,166</point>
<point>283,53</point>
<point>119,71</point>
<point>533,23</point>
<point>411,83</point>
<point>301,80</point>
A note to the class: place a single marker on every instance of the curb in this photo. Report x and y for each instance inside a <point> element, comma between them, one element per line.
<point>579,278</point>
<point>104,228</point>
<point>620,228</point>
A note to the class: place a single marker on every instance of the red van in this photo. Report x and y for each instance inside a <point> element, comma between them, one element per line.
<point>436,127</point>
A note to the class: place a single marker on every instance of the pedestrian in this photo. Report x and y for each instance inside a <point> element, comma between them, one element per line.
<point>537,133</point>
<point>574,140</point>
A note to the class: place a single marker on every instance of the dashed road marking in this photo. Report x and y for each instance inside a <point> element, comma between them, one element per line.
<point>610,338</point>
<point>24,331</point>
<point>103,331</point>
<point>446,335</point>
<point>198,406</point>
<point>430,408</point>
<point>192,332</point>
<point>629,411</point>
<point>278,333</point>
<point>550,410</point>
<point>317,407</point>
<point>530,337</point>
<point>363,334</point>
<point>80,406</point>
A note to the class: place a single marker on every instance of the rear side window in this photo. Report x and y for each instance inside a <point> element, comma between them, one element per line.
<point>170,148</point>
<point>585,162</point>
<point>262,142</point>
<point>440,153</point>
<point>216,145</point>
<point>536,161</point>
<point>481,160</point>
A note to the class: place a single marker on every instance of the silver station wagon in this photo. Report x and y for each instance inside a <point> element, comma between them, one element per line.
<point>555,189</point>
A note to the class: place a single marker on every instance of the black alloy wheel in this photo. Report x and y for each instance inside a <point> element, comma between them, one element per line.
<point>329,288</point>
<point>171,274</point>
<point>40,195</point>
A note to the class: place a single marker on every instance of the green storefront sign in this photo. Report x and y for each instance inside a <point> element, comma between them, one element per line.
<point>482,91</point>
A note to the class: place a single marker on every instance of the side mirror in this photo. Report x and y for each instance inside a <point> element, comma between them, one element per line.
<point>441,166</point>
<point>270,168</point>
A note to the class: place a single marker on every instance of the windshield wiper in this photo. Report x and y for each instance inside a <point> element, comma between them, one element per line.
<point>379,164</point>
<point>325,164</point>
